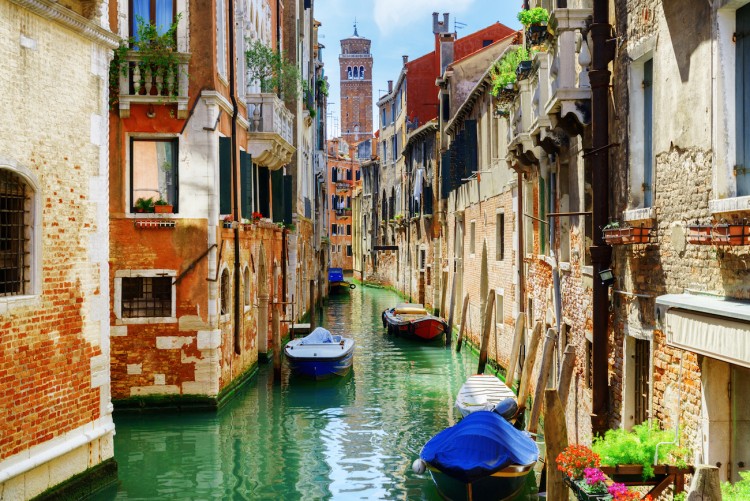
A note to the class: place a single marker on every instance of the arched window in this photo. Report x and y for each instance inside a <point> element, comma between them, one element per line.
<point>349,72</point>
<point>16,231</point>
<point>362,72</point>
<point>225,292</point>
<point>356,73</point>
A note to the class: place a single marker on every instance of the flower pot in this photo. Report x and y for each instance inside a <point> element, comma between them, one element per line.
<point>699,234</point>
<point>523,70</point>
<point>227,224</point>
<point>163,209</point>
<point>582,495</point>
<point>537,34</point>
<point>731,234</point>
<point>635,235</point>
<point>612,236</point>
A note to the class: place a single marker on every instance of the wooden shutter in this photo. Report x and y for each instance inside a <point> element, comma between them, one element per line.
<point>288,199</point>
<point>264,202</point>
<point>742,103</point>
<point>277,195</point>
<point>246,178</point>
<point>427,199</point>
<point>445,175</point>
<point>470,148</point>
<point>648,121</point>
<point>225,175</point>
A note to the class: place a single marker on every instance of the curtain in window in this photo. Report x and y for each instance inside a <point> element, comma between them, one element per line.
<point>164,15</point>
<point>141,10</point>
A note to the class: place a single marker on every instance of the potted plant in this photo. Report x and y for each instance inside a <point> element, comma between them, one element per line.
<point>635,234</point>
<point>144,205</point>
<point>161,206</point>
<point>535,22</point>
<point>227,221</point>
<point>256,216</point>
<point>735,233</point>
<point>523,70</point>
<point>699,234</point>
<point>611,233</point>
<point>504,73</point>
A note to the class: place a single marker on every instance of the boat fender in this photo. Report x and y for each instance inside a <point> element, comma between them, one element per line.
<point>507,408</point>
<point>419,466</point>
<point>352,286</point>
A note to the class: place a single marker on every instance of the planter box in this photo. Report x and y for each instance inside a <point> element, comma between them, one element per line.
<point>523,70</point>
<point>163,209</point>
<point>731,234</point>
<point>536,34</point>
<point>699,234</point>
<point>612,235</point>
<point>582,495</point>
<point>635,235</point>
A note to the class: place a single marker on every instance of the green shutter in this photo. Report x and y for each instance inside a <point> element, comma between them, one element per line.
<point>277,195</point>
<point>246,178</point>
<point>288,199</point>
<point>742,105</point>
<point>264,203</point>
<point>225,175</point>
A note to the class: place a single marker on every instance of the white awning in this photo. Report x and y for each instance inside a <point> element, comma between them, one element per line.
<point>715,327</point>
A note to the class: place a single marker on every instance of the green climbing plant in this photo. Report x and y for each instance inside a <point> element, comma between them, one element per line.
<point>274,72</point>
<point>504,71</point>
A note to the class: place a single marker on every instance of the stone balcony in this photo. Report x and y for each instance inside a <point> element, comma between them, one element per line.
<point>569,88</point>
<point>270,137</point>
<point>520,143</point>
<point>143,85</point>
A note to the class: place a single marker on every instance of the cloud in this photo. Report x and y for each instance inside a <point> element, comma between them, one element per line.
<point>394,15</point>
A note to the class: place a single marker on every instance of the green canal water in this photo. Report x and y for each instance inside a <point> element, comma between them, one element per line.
<point>348,438</point>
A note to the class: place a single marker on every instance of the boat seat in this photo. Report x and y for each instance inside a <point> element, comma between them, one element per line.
<point>409,310</point>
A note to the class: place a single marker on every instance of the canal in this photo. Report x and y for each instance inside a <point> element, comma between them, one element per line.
<point>350,438</point>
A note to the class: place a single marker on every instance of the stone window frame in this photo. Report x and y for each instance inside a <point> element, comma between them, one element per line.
<point>246,296</point>
<point>500,235</point>
<point>120,274</point>
<point>224,295</point>
<point>32,294</point>
<point>723,110</point>
<point>128,195</point>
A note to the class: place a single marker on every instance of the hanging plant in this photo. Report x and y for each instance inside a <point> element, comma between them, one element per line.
<point>533,17</point>
<point>504,71</point>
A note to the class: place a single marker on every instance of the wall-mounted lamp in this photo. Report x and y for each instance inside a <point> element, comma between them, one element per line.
<point>607,277</point>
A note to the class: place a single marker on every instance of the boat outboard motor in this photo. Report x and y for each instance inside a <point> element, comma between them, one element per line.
<point>507,408</point>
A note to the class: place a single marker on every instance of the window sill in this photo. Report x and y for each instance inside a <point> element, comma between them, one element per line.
<point>644,214</point>
<point>146,320</point>
<point>725,205</point>
<point>565,266</point>
<point>587,270</point>
<point>12,302</point>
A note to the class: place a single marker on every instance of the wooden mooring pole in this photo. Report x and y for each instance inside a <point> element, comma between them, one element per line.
<point>516,348</point>
<point>460,339</point>
<point>556,440</point>
<point>313,306</point>
<point>449,334</point>
<point>276,328</point>
<point>547,353</point>
<point>486,332</point>
<point>528,366</point>
<point>443,292</point>
<point>566,374</point>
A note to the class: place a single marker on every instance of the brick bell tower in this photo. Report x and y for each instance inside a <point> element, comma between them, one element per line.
<point>355,62</point>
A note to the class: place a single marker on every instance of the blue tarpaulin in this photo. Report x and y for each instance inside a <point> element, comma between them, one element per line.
<point>318,336</point>
<point>478,445</point>
<point>335,275</point>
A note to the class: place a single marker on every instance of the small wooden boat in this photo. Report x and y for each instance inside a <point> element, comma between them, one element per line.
<point>320,355</point>
<point>481,457</point>
<point>336,282</point>
<point>412,320</point>
<point>481,392</point>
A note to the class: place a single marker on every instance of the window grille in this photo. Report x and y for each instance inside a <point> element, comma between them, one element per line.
<point>146,297</point>
<point>14,235</point>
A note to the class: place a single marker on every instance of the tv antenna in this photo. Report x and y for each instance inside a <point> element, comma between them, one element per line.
<point>457,25</point>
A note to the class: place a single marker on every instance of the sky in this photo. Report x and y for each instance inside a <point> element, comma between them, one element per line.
<point>396,28</point>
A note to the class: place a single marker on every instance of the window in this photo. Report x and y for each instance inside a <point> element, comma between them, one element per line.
<point>348,229</point>
<point>382,121</point>
<point>499,311</point>
<point>146,297</point>
<point>422,258</point>
<point>246,285</point>
<point>472,237</point>
<point>349,72</point>
<point>153,171</point>
<point>15,231</point>
<point>589,363</point>
<point>221,39</point>
<point>641,110</point>
<point>158,12</point>
<point>499,236</point>
<point>334,227</point>
<point>361,72</point>
<point>348,250</point>
<point>225,292</point>
<point>742,100</point>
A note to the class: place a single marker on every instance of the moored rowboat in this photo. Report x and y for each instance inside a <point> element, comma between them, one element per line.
<point>320,354</point>
<point>481,392</point>
<point>412,320</point>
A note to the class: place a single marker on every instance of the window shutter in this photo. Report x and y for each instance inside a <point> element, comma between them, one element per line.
<point>445,175</point>
<point>277,195</point>
<point>742,105</point>
<point>225,175</point>
<point>264,203</point>
<point>246,178</point>
<point>288,199</point>
<point>427,199</point>
<point>648,92</point>
<point>470,147</point>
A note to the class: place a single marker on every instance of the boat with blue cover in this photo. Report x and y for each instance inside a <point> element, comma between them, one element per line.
<point>336,281</point>
<point>320,354</point>
<point>481,457</point>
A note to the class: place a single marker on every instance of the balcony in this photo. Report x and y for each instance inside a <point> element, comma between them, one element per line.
<point>569,88</point>
<point>147,85</point>
<point>520,143</point>
<point>270,135</point>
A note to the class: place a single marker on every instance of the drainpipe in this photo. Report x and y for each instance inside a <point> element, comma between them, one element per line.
<point>519,259</point>
<point>235,194</point>
<point>601,253</point>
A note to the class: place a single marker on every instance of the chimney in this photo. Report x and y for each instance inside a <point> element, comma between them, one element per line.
<point>435,23</point>
<point>405,59</point>
<point>446,50</point>
<point>446,23</point>
<point>390,86</point>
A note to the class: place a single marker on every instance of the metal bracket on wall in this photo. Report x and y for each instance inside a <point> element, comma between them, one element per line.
<point>192,265</point>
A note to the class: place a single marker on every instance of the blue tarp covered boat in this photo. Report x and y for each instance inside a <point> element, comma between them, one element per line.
<point>320,354</point>
<point>336,282</point>
<point>481,457</point>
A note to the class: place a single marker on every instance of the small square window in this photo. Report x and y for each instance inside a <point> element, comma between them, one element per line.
<point>146,297</point>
